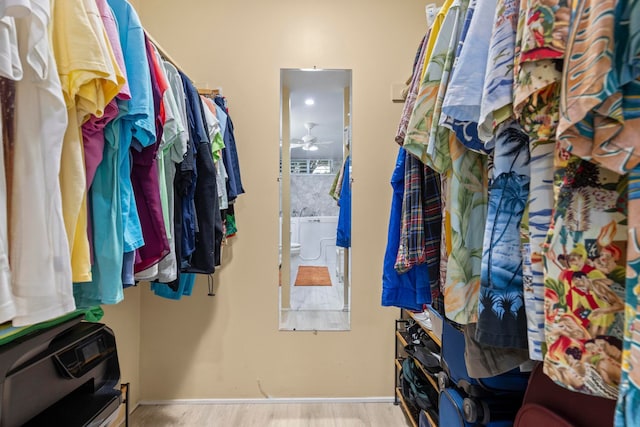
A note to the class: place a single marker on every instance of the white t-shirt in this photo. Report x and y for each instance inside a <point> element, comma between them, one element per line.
<point>40,262</point>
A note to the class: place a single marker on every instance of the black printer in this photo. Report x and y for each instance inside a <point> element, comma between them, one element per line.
<point>65,375</point>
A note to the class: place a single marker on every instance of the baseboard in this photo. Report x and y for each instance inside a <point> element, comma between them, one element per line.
<point>381,399</point>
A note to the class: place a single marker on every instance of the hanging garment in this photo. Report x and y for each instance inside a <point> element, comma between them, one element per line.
<point>540,45</point>
<point>583,304</point>
<point>420,237</point>
<point>461,105</point>
<point>412,93</point>
<point>230,152</point>
<point>425,139</point>
<point>438,145</point>
<point>436,27</point>
<point>172,154</point>
<point>628,405</point>
<point>343,233</point>
<point>501,316</point>
<point>7,95</point>
<point>600,98</point>
<point>93,128</point>
<point>467,212</point>
<point>217,144</point>
<point>145,179</point>
<point>37,234</point>
<point>138,127</point>
<point>497,94</point>
<point>401,290</point>
<point>197,136</point>
<point>89,80</point>
<point>10,72</point>
<point>170,151</point>
<point>116,226</point>
<point>185,287</point>
<point>181,174</point>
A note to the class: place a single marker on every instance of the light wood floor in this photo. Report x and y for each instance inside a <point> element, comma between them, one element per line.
<point>314,320</point>
<point>271,415</point>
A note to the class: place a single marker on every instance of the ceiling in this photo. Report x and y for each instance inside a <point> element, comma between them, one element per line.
<point>326,88</point>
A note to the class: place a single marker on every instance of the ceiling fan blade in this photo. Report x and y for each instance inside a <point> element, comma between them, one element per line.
<point>323,142</point>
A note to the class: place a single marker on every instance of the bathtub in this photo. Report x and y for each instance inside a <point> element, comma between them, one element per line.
<point>317,238</point>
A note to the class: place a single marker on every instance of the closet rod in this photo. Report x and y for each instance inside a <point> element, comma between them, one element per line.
<point>167,57</point>
<point>163,52</point>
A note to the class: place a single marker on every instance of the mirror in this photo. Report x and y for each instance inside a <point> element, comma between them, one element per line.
<point>315,199</point>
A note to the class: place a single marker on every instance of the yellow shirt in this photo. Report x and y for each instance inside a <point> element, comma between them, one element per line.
<point>90,79</point>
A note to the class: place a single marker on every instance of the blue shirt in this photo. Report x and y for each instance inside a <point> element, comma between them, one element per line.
<point>230,156</point>
<point>400,290</point>
<point>197,135</point>
<point>343,234</point>
<point>138,126</point>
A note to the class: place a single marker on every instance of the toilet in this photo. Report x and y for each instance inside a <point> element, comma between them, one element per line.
<point>294,253</point>
<point>294,260</point>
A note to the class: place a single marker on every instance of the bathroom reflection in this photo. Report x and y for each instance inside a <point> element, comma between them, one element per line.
<point>315,199</point>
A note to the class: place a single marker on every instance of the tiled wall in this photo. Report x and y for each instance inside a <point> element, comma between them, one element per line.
<point>311,192</point>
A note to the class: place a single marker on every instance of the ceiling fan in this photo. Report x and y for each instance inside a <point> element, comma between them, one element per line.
<point>308,142</point>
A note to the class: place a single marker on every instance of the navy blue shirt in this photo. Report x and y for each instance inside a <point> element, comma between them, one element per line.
<point>230,156</point>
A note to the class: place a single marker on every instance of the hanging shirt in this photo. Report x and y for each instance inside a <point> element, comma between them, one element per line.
<point>10,72</point>
<point>93,129</point>
<point>583,306</point>
<point>501,316</point>
<point>89,82</point>
<point>629,397</point>
<point>436,27</point>
<point>600,108</point>
<point>208,235</point>
<point>197,135</point>
<point>419,141</point>
<point>412,93</point>
<point>536,103</point>
<point>173,131</point>
<point>343,233</point>
<point>461,105</point>
<point>174,149</point>
<point>230,154</point>
<point>217,145</point>
<point>145,180</point>
<point>420,236</point>
<point>401,290</point>
<point>138,126</point>
<point>111,190</point>
<point>497,94</point>
<point>437,147</point>
<point>466,204</point>
<point>37,234</point>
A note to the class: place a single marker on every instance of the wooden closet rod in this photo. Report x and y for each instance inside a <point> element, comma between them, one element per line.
<point>164,53</point>
<point>167,57</point>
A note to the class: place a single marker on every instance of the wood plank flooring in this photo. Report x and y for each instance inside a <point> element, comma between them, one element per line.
<point>270,415</point>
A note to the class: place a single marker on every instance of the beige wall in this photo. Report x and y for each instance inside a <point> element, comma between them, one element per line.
<point>229,346</point>
<point>124,320</point>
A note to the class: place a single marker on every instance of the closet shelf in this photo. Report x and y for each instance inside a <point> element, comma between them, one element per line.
<point>432,422</point>
<point>412,414</point>
<point>429,332</point>
<point>401,338</point>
